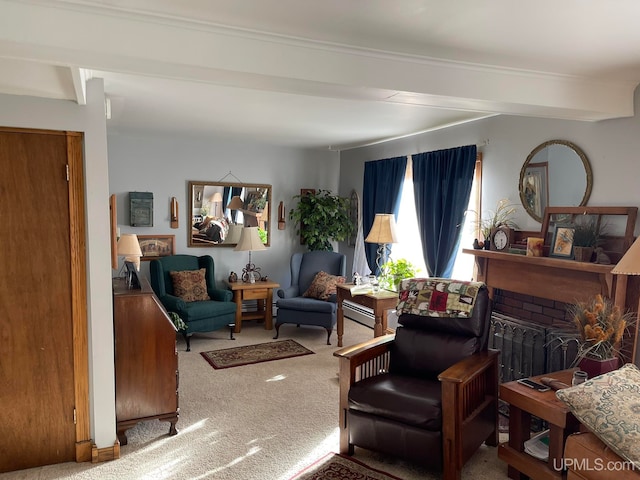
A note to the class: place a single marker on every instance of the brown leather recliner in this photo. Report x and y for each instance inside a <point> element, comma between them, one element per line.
<point>428,394</point>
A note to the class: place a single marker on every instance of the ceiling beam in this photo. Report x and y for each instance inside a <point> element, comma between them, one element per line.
<point>79,79</point>
<point>104,39</point>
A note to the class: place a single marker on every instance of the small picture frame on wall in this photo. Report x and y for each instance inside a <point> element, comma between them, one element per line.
<point>562,244</point>
<point>154,246</point>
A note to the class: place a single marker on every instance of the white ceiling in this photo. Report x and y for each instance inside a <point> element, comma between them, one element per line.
<point>325,74</point>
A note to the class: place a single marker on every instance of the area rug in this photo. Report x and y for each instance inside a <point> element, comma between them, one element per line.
<point>335,466</point>
<point>261,352</point>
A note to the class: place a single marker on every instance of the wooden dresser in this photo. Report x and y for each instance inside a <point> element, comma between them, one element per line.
<point>146,359</point>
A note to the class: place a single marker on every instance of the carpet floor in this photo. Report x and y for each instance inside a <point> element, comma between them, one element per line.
<point>266,421</point>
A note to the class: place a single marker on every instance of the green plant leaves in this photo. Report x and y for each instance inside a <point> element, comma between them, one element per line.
<point>320,218</point>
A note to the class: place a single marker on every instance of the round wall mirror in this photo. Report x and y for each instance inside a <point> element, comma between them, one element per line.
<point>556,173</point>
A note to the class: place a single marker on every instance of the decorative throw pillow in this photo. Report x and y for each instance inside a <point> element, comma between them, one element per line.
<point>323,286</point>
<point>609,405</point>
<point>190,285</point>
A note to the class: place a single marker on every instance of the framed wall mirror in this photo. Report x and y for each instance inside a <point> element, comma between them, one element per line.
<point>556,173</point>
<point>219,211</point>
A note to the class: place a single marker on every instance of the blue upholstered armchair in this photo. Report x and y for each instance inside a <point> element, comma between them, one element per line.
<point>293,307</point>
<point>200,316</point>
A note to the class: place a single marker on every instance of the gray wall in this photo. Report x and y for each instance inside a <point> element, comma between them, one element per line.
<point>164,164</point>
<point>611,146</point>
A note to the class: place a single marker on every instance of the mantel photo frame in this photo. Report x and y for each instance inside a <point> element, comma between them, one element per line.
<point>154,246</point>
<point>562,244</point>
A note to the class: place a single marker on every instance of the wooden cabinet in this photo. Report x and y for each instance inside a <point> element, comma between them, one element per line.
<point>146,359</point>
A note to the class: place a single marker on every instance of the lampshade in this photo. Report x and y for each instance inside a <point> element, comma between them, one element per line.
<point>383,229</point>
<point>234,234</point>
<point>236,203</point>
<point>629,264</point>
<point>250,240</point>
<point>128,245</point>
<point>216,197</point>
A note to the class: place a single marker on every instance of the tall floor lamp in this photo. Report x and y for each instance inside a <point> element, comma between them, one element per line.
<point>383,232</point>
<point>629,264</point>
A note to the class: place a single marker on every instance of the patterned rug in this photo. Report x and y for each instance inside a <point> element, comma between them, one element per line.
<point>335,466</point>
<point>261,352</point>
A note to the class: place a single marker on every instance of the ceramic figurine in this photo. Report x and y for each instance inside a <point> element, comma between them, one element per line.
<point>233,277</point>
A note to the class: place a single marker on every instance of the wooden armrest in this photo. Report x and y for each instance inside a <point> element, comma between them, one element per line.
<point>367,350</point>
<point>469,367</point>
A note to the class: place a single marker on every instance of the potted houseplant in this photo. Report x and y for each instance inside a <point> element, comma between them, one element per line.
<point>586,237</point>
<point>320,218</point>
<point>601,326</point>
<point>394,271</point>
<point>502,216</point>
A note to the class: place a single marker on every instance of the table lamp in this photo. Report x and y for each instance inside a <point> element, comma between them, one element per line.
<point>629,264</point>
<point>129,248</point>
<point>383,232</point>
<point>236,203</point>
<point>250,241</point>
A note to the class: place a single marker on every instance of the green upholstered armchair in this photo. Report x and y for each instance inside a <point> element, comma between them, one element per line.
<point>199,316</point>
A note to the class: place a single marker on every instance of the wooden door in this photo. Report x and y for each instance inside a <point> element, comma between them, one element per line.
<point>36,327</point>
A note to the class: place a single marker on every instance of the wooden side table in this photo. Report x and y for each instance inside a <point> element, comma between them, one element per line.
<point>260,291</point>
<point>523,403</point>
<point>380,302</point>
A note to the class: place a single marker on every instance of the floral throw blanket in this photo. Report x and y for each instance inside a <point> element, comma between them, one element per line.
<point>437,297</point>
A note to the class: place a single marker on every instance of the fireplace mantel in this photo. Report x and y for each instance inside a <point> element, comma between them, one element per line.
<point>556,279</point>
<point>565,281</point>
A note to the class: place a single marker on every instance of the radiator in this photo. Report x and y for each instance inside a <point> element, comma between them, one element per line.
<point>364,315</point>
<point>358,313</point>
<point>528,349</point>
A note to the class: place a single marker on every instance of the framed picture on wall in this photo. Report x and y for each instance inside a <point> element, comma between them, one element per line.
<point>154,246</point>
<point>562,244</point>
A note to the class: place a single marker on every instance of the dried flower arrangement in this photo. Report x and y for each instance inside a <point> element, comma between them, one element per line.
<point>601,326</point>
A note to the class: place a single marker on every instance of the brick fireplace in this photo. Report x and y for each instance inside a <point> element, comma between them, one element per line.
<point>534,335</point>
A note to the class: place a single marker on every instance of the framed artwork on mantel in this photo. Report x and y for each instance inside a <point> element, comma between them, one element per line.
<point>562,245</point>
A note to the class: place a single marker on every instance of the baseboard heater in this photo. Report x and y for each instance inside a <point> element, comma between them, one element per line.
<point>358,313</point>
<point>365,316</point>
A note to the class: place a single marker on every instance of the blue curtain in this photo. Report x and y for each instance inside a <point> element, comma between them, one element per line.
<point>380,194</point>
<point>442,183</point>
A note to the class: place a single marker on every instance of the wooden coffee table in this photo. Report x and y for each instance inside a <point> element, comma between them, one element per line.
<point>262,291</point>
<point>523,403</point>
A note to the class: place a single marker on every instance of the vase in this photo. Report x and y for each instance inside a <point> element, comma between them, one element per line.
<point>583,254</point>
<point>595,366</point>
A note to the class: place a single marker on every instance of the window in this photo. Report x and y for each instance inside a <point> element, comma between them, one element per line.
<point>410,246</point>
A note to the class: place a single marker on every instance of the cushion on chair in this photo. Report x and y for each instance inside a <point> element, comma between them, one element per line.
<point>409,400</point>
<point>609,405</point>
<point>190,285</point>
<point>323,286</point>
<point>205,309</point>
<point>427,354</point>
<point>304,304</point>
